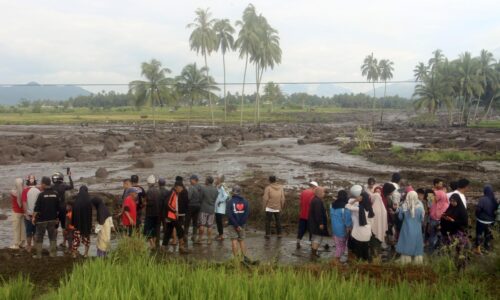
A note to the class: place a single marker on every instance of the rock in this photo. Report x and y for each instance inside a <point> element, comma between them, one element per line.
<point>134,150</point>
<point>301,142</point>
<point>101,173</point>
<point>229,143</point>
<point>52,154</point>
<point>3,217</point>
<point>111,145</point>
<point>74,152</point>
<point>28,151</point>
<point>144,163</point>
<point>11,150</point>
<point>191,158</point>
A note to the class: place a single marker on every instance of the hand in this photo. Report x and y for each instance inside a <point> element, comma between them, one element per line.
<point>321,227</point>
<point>238,229</point>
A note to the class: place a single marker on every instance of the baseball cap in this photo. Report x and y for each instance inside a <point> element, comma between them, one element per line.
<point>313,183</point>
<point>151,179</point>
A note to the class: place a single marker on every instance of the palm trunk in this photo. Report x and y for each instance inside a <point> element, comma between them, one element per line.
<point>225,100</point>
<point>190,112</point>
<point>209,95</point>
<point>477,107</point>
<point>383,102</point>
<point>373,105</point>
<point>243,90</point>
<point>256,105</point>
<point>489,107</point>
<point>258,93</point>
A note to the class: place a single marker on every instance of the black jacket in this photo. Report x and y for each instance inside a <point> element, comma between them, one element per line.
<point>47,206</point>
<point>317,217</point>
<point>61,189</point>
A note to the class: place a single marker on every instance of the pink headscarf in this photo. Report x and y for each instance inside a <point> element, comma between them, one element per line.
<point>440,206</point>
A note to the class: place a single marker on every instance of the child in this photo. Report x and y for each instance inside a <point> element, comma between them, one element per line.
<point>341,224</point>
<point>129,210</point>
<point>237,211</point>
<point>68,231</point>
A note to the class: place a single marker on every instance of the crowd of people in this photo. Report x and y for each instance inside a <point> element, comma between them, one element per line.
<point>363,220</point>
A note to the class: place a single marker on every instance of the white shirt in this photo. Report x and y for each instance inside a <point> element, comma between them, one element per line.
<point>31,200</point>
<point>360,233</point>
<point>462,197</point>
<point>272,210</point>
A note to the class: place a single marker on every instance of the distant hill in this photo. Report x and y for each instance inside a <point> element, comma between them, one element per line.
<point>11,95</point>
<point>404,90</point>
<point>326,90</point>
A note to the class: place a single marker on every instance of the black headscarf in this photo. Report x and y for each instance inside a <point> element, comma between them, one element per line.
<point>365,205</point>
<point>82,212</point>
<point>488,192</point>
<point>457,213</point>
<point>387,189</point>
<point>342,199</point>
<point>101,209</point>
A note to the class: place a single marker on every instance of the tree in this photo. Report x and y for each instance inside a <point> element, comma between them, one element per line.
<point>487,73</point>
<point>272,93</point>
<point>430,94</point>
<point>421,71</point>
<point>194,85</point>
<point>370,70</point>
<point>495,90</point>
<point>225,42</point>
<point>246,43</point>
<point>150,92</point>
<point>434,62</point>
<point>386,67</point>
<point>203,40</point>
<point>469,81</point>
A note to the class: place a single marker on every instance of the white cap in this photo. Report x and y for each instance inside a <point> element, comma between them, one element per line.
<point>356,190</point>
<point>151,179</point>
<point>314,183</point>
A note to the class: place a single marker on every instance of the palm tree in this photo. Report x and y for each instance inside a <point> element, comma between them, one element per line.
<point>470,82</point>
<point>194,86</point>
<point>204,39</point>
<point>435,60</point>
<point>487,73</point>
<point>495,90</point>
<point>150,91</point>
<point>431,93</point>
<point>386,67</point>
<point>370,69</point>
<point>421,71</point>
<point>246,43</point>
<point>225,42</point>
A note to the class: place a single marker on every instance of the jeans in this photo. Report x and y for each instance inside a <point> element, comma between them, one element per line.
<point>483,229</point>
<point>219,219</point>
<point>170,228</point>
<point>269,218</point>
<point>50,227</point>
<point>303,227</point>
<point>434,234</point>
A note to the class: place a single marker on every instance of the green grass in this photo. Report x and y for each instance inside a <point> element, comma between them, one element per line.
<point>488,124</point>
<point>19,288</point>
<point>129,114</point>
<point>453,156</point>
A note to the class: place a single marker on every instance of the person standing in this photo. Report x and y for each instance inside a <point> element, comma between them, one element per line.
<point>379,221</point>
<point>237,211</point>
<point>371,184</point>
<point>103,227</point>
<point>129,210</point>
<point>207,209</point>
<point>305,201</point>
<point>139,199</point>
<point>194,196</point>
<point>126,184</point>
<point>60,187</point>
<point>151,221</point>
<point>361,211</point>
<point>485,217</point>
<point>172,219</point>
<point>454,224</point>
<point>410,243</point>
<point>81,220</point>
<point>45,217</point>
<point>30,194</point>
<point>220,206</point>
<point>462,188</point>
<point>273,202</point>
<point>19,231</point>
<point>318,223</point>
<point>341,224</point>
<point>435,213</point>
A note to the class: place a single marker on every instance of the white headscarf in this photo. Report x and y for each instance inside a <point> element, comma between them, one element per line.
<point>411,203</point>
<point>18,191</point>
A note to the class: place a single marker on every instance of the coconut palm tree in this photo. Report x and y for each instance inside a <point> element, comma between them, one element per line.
<point>430,94</point>
<point>470,82</point>
<point>157,86</point>
<point>194,85</point>
<point>386,67</point>
<point>225,42</point>
<point>487,73</point>
<point>203,40</point>
<point>421,71</point>
<point>495,90</point>
<point>246,43</point>
<point>370,70</point>
<point>437,58</point>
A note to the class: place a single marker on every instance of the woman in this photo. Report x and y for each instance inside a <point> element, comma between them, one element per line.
<point>411,243</point>
<point>19,231</point>
<point>82,221</point>
<point>379,220</point>
<point>341,224</point>
<point>361,210</point>
<point>485,217</point>
<point>220,206</point>
<point>103,228</point>
<point>436,211</point>
<point>454,224</point>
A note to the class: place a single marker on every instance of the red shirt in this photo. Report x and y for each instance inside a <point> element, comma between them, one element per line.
<point>24,195</point>
<point>132,211</point>
<point>305,200</point>
<point>15,206</point>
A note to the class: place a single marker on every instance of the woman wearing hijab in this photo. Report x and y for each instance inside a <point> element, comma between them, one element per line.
<point>436,211</point>
<point>341,224</point>
<point>19,231</point>
<point>82,221</point>
<point>411,243</point>
<point>103,227</point>
<point>379,220</point>
<point>485,217</point>
<point>361,210</point>
<point>454,223</point>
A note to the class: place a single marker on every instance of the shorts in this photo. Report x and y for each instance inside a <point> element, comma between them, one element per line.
<point>30,228</point>
<point>206,219</point>
<point>150,226</point>
<point>317,239</point>
<point>236,235</point>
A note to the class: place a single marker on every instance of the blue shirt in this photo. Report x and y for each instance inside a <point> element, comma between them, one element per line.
<point>341,220</point>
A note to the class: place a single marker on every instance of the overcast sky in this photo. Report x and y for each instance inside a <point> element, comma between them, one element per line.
<point>105,41</point>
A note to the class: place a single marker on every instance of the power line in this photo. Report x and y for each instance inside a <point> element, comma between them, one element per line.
<point>227,83</point>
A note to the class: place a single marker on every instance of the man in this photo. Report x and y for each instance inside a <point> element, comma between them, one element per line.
<point>164,192</point>
<point>194,195</point>
<point>30,195</point>
<point>237,211</point>
<point>129,210</point>
<point>462,188</point>
<point>274,200</point>
<point>126,183</point>
<point>317,220</point>
<point>152,202</point>
<point>172,218</point>
<point>437,184</point>
<point>305,201</point>
<point>453,188</point>
<point>60,187</point>
<point>207,209</point>
<point>45,217</point>
<point>139,201</point>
